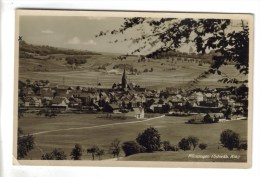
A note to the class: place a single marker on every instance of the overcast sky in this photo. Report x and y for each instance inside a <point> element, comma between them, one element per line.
<point>76,32</point>
<point>69,32</point>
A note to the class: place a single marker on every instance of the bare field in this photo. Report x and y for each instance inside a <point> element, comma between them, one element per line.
<point>170,128</point>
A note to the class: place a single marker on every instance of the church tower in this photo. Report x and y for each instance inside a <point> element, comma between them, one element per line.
<point>124,79</point>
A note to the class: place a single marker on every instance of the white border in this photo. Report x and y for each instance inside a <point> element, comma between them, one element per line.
<point>7,76</point>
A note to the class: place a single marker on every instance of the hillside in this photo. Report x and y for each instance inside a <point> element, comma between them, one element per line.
<point>42,58</point>
<point>29,50</point>
<point>88,68</point>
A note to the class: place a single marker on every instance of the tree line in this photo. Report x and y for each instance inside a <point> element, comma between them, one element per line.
<point>148,141</point>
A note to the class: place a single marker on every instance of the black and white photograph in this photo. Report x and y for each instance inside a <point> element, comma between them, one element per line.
<point>134,89</point>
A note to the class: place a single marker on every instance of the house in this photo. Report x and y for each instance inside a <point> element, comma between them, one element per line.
<point>156,107</point>
<point>138,101</point>
<point>32,102</point>
<point>47,95</point>
<point>214,117</point>
<point>139,112</point>
<point>62,91</point>
<point>74,102</point>
<point>115,108</point>
<point>28,91</point>
<point>60,102</point>
<point>88,98</point>
<point>198,96</point>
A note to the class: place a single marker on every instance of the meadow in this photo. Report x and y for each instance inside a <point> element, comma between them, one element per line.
<point>172,129</point>
<point>165,72</point>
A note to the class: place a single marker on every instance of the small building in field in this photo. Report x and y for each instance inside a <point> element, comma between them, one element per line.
<point>139,113</point>
<point>214,117</point>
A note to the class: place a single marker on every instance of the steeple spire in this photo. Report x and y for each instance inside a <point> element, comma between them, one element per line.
<point>124,79</point>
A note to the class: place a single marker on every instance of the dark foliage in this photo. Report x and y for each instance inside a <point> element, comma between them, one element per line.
<point>115,147</point>
<point>76,152</point>
<point>168,147</point>
<point>184,144</point>
<point>93,150</point>
<point>25,49</point>
<point>230,139</point>
<point>131,147</point>
<point>99,153</point>
<point>76,60</point>
<point>193,141</point>
<point>203,146</point>
<point>150,139</point>
<point>56,154</point>
<point>25,144</point>
<point>243,146</point>
<point>210,34</point>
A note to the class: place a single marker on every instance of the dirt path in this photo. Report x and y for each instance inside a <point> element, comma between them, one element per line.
<point>98,126</point>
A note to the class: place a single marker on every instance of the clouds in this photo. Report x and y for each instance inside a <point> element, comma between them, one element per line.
<point>90,42</point>
<point>47,31</point>
<point>76,41</point>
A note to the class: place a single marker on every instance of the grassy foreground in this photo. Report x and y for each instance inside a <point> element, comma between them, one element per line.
<point>170,128</point>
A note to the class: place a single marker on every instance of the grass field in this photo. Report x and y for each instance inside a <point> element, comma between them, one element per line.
<point>210,154</point>
<point>170,128</point>
<point>176,74</point>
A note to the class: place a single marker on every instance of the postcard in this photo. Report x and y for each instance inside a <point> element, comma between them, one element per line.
<point>138,89</point>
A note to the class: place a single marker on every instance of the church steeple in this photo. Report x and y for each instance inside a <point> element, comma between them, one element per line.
<point>124,79</point>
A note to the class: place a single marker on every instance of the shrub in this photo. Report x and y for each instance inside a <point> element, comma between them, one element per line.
<point>76,60</point>
<point>24,145</point>
<point>150,139</point>
<point>190,121</point>
<point>230,139</point>
<point>99,153</point>
<point>93,150</point>
<point>193,141</point>
<point>115,147</point>
<point>208,119</point>
<point>131,147</point>
<point>174,148</point>
<point>202,146</point>
<point>166,145</point>
<point>243,146</point>
<point>76,152</point>
<point>56,154</point>
<point>184,144</point>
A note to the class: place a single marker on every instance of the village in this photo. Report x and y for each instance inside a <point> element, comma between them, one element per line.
<point>131,100</point>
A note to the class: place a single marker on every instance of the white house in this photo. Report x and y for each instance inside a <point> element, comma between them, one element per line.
<point>139,112</point>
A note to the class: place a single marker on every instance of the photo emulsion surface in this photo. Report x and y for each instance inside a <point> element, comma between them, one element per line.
<point>131,88</point>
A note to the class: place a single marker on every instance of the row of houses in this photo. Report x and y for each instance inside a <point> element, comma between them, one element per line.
<point>127,97</point>
<point>68,98</point>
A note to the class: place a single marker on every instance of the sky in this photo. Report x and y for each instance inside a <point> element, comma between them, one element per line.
<point>77,33</point>
<point>69,32</point>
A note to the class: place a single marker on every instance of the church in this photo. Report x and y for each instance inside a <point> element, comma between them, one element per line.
<point>127,86</point>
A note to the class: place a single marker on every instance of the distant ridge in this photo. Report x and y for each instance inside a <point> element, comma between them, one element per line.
<point>43,50</point>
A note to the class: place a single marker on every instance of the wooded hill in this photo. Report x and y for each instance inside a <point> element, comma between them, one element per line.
<point>29,50</point>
